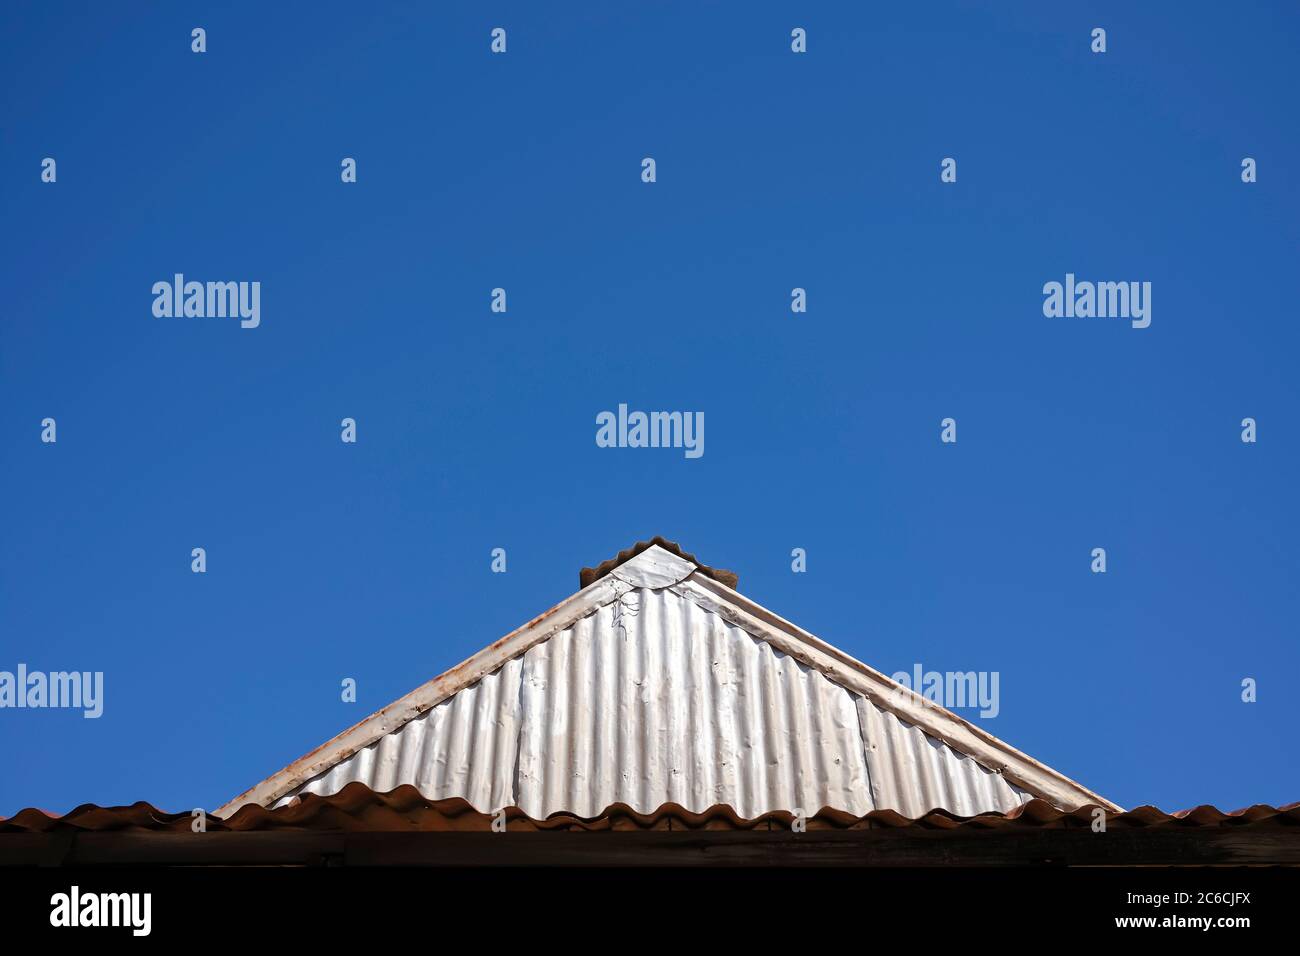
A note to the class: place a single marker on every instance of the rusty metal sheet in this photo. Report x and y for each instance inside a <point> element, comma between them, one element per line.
<point>358,808</point>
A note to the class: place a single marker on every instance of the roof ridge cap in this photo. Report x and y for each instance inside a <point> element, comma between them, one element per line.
<point>589,575</point>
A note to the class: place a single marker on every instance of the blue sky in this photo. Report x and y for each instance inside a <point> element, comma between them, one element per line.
<point>476,430</point>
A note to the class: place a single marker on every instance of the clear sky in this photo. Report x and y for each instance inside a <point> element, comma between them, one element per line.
<point>476,430</point>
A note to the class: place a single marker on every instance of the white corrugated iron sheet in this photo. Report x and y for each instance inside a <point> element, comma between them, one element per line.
<point>655,699</point>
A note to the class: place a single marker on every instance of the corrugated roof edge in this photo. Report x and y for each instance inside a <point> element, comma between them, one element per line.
<point>849,672</point>
<point>841,668</point>
<point>358,808</point>
<point>588,575</point>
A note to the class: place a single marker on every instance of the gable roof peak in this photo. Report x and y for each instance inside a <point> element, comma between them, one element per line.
<point>590,575</point>
<point>893,724</point>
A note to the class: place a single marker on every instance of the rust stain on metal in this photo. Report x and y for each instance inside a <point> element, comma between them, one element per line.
<point>358,808</point>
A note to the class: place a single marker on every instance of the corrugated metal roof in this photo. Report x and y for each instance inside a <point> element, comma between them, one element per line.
<point>358,808</point>
<point>912,773</point>
<point>658,685</point>
<point>465,747</point>
<point>655,700</point>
